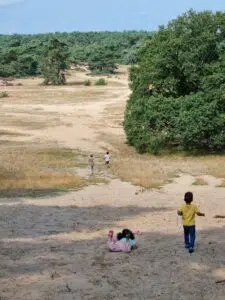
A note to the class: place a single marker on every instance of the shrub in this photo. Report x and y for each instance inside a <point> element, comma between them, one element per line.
<point>101,81</point>
<point>87,83</point>
<point>4,94</point>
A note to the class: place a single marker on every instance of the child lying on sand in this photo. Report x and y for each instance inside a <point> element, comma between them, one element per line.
<point>125,241</point>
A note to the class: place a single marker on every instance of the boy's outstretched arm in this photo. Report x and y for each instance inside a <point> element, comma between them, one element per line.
<point>179,212</point>
<point>200,214</point>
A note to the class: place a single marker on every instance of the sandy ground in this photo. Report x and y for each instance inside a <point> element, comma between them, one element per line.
<point>54,248</point>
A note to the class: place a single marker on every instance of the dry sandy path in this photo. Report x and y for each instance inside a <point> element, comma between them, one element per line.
<point>54,247</point>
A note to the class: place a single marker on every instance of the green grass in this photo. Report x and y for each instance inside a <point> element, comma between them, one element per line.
<point>100,81</point>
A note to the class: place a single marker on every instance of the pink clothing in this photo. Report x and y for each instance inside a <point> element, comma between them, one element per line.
<point>118,246</point>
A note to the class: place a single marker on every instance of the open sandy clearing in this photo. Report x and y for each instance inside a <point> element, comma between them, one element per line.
<point>54,247</point>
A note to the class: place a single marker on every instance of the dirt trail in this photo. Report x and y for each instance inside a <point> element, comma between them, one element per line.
<point>54,247</point>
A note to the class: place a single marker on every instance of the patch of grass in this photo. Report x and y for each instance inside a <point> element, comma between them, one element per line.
<point>10,133</point>
<point>142,170</point>
<point>57,157</point>
<point>100,81</point>
<point>151,171</point>
<point>222,184</point>
<point>28,123</point>
<point>32,170</point>
<point>213,164</point>
<point>219,217</point>
<point>137,172</point>
<point>38,168</point>
<point>40,180</point>
<point>32,92</point>
<point>9,143</point>
<point>200,181</point>
<point>4,95</point>
<point>93,180</point>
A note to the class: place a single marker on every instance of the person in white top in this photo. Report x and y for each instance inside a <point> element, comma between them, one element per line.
<point>107,159</point>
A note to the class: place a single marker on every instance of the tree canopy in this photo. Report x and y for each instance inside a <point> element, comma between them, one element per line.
<point>178,98</point>
<point>20,55</point>
<point>103,60</point>
<point>54,62</point>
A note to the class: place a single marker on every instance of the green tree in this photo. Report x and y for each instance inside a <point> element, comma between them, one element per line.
<point>20,55</point>
<point>178,87</point>
<point>54,62</point>
<point>102,60</point>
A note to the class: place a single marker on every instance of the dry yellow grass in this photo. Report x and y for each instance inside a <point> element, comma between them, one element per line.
<point>151,171</point>
<point>31,91</point>
<point>10,133</point>
<point>30,122</point>
<point>148,171</point>
<point>95,180</point>
<point>222,184</point>
<point>33,167</point>
<point>200,181</point>
<point>53,180</point>
<point>29,167</point>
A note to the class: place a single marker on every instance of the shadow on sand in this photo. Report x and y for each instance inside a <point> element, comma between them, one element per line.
<point>38,257</point>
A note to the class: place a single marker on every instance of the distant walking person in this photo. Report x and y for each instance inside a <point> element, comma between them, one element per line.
<point>107,159</point>
<point>91,163</point>
<point>188,212</point>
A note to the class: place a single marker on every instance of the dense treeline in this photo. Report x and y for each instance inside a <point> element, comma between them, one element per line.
<point>178,87</point>
<point>20,54</point>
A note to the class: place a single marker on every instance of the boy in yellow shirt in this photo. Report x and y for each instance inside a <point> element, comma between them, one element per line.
<point>188,212</point>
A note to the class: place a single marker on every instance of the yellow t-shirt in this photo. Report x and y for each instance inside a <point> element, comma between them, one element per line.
<point>188,214</point>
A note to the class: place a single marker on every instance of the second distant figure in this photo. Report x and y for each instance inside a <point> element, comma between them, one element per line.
<point>107,159</point>
<point>91,164</point>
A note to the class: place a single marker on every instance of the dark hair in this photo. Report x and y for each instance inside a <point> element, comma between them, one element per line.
<point>107,152</point>
<point>119,236</point>
<point>188,197</point>
<point>126,233</point>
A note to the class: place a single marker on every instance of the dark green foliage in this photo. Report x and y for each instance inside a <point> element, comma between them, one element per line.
<point>18,60</point>
<point>20,55</point>
<point>178,98</point>
<point>101,81</point>
<point>87,83</point>
<point>103,60</point>
<point>54,62</point>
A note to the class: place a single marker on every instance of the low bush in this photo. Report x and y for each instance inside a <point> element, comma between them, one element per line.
<point>101,81</point>
<point>4,94</point>
<point>87,83</point>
